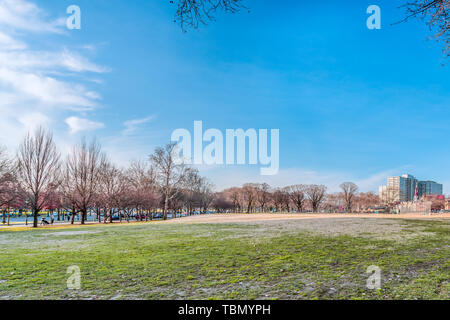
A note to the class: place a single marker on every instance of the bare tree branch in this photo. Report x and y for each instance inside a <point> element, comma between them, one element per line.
<point>83,174</point>
<point>192,13</point>
<point>349,192</point>
<point>38,167</point>
<point>316,195</point>
<point>170,173</point>
<point>436,14</point>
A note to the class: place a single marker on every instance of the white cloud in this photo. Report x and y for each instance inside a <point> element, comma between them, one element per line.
<point>132,125</point>
<point>45,60</point>
<point>40,86</point>
<point>8,43</point>
<point>48,90</point>
<point>75,62</point>
<point>375,180</point>
<point>34,120</point>
<point>26,16</point>
<point>79,124</point>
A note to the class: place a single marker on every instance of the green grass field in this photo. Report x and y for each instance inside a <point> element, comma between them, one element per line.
<point>289,260</point>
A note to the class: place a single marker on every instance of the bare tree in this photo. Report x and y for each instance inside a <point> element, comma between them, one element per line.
<point>5,163</point>
<point>7,177</point>
<point>367,200</point>
<point>38,167</point>
<point>207,195</point>
<point>143,186</point>
<point>280,197</point>
<point>221,203</point>
<point>393,196</point>
<point>125,199</point>
<point>10,190</point>
<point>263,195</point>
<point>286,199</point>
<point>192,13</point>
<point>83,173</point>
<point>333,202</point>
<point>349,193</point>
<point>249,191</point>
<point>235,197</point>
<point>112,187</point>
<point>297,196</point>
<point>141,175</point>
<point>316,195</point>
<point>170,173</point>
<point>193,185</point>
<point>436,14</point>
<point>68,193</point>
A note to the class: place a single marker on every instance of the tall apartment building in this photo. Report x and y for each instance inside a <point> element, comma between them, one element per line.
<point>403,188</point>
<point>430,188</point>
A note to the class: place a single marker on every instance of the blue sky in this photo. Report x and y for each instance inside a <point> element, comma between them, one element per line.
<point>351,103</point>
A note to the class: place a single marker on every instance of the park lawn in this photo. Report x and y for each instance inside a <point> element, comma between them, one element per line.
<point>224,261</point>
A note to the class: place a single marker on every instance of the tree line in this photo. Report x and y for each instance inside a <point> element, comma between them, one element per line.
<point>86,182</point>
<point>261,197</point>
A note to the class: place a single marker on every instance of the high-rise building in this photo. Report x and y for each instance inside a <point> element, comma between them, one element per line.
<point>403,188</point>
<point>427,188</point>
<point>411,183</point>
<point>382,192</point>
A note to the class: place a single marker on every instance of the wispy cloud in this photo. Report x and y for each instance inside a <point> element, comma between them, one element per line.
<point>79,124</point>
<point>8,43</point>
<point>41,86</point>
<point>377,179</point>
<point>26,16</point>
<point>133,125</point>
<point>48,90</point>
<point>34,119</point>
<point>22,59</point>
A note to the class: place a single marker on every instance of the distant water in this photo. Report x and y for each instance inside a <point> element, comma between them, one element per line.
<point>30,218</point>
<point>16,219</point>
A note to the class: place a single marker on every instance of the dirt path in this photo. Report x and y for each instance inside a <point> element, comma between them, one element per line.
<point>261,217</point>
<point>242,218</point>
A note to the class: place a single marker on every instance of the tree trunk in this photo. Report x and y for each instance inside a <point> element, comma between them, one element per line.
<point>73,215</point>
<point>35,218</point>
<point>83,216</point>
<point>166,206</point>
